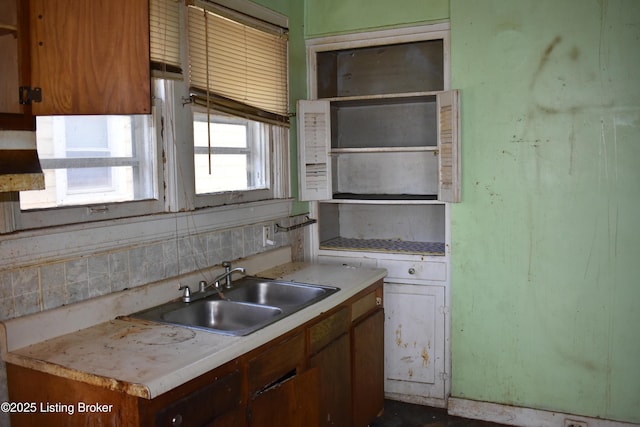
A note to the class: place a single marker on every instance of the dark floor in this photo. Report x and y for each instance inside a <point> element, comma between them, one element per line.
<point>399,414</point>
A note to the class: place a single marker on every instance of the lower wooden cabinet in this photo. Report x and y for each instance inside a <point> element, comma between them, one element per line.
<point>327,372</point>
<point>367,357</point>
<point>293,402</point>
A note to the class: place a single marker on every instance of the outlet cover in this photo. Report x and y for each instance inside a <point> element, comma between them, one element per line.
<point>267,236</point>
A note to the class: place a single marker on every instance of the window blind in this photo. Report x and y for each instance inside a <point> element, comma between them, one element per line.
<point>238,67</point>
<point>164,23</point>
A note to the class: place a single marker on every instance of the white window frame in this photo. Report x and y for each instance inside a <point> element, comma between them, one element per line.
<point>55,216</point>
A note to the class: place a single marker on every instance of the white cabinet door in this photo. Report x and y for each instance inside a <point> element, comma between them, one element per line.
<point>314,145</point>
<point>449,146</point>
<point>415,343</point>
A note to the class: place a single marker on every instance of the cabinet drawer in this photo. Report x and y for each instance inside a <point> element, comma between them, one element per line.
<point>417,270</point>
<point>203,405</point>
<point>275,362</point>
<point>364,305</point>
<point>327,330</point>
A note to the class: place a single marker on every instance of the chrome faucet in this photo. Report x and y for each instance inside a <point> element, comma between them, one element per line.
<point>189,296</point>
<point>228,271</point>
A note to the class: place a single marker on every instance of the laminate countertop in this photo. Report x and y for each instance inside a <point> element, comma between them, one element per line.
<point>146,359</point>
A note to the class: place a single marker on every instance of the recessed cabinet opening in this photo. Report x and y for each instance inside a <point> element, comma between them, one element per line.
<point>392,228</point>
<point>398,68</point>
<point>384,123</point>
<point>381,175</point>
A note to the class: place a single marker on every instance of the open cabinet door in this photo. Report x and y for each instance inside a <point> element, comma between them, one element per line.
<point>314,144</point>
<point>449,146</point>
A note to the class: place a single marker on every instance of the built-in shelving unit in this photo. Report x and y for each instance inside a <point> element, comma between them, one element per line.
<point>379,156</point>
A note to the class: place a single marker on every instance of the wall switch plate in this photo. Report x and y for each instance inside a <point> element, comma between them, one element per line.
<point>267,236</point>
<point>573,423</point>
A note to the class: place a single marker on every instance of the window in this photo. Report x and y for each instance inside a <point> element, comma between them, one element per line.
<point>95,168</point>
<point>238,86</point>
<point>93,160</point>
<point>238,158</point>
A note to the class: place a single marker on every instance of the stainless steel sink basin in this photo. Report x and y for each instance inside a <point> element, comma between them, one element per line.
<point>274,293</point>
<point>221,315</point>
<point>251,304</point>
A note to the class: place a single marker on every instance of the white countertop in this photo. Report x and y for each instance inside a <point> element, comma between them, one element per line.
<point>146,359</point>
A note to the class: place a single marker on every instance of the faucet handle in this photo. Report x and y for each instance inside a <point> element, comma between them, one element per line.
<point>186,296</point>
<point>202,285</point>
<point>226,264</point>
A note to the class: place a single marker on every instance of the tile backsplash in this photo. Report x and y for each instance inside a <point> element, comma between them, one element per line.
<point>27,290</point>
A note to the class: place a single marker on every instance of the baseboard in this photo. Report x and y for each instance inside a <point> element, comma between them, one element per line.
<point>416,400</point>
<point>524,417</point>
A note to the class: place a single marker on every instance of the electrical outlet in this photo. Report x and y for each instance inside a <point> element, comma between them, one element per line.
<point>267,236</point>
<point>574,423</point>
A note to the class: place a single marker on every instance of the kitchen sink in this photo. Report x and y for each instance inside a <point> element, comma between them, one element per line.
<point>221,315</point>
<point>251,304</point>
<point>274,293</point>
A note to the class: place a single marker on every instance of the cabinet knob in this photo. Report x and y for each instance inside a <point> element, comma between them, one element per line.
<point>176,420</point>
<point>412,270</point>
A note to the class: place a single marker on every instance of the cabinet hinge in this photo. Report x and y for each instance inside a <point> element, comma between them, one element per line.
<point>444,376</point>
<point>27,95</point>
<point>444,309</point>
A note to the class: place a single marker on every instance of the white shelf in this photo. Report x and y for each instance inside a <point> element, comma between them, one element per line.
<point>387,201</point>
<point>390,96</point>
<point>338,151</point>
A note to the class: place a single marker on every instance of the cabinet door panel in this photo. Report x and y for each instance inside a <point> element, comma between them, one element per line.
<point>314,144</point>
<point>291,403</point>
<point>90,57</point>
<point>414,330</point>
<point>335,383</point>
<point>368,368</point>
<point>449,146</point>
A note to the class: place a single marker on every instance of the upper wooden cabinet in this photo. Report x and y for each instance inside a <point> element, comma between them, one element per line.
<point>76,57</point>
<point>90,57</point>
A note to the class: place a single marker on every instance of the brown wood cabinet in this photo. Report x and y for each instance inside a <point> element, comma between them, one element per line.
<point>327,372</point>
<point>73,57</point>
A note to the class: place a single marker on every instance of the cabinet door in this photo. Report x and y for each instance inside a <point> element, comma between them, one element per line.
<point>449,146</point>
<point>415,340</point>
<point>368,368</point>
<point>14,65</point>
<point>90,57</point>
<point>293,402</point>
<point>334,382</point>
<point>314,144</point>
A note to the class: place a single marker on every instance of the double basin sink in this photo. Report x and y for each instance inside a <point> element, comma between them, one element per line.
<point>251,304</point>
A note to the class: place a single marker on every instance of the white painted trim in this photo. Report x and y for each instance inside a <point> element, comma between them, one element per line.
<point>52,244</point>
<point>416,399</point>
<point>523,417</point>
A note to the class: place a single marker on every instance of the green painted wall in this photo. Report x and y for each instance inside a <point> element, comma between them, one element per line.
<point>546,244</point>
<point>329,17</point>
<point>297,78</point>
